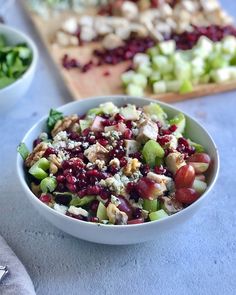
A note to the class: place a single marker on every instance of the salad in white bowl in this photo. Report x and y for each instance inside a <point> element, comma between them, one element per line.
<point>116,165</point>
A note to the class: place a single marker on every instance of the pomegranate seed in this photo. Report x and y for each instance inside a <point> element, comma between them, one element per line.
<point>94,219</point>
<point>94,206</point>
<point>128,134</point>
<point>61,178</point>
<point>103,141</point>
<point>82,192</point>
<point>105,194</point>
<point>67,172</point>
<point>85,132</point>
<point>144,169</point>
<point>36,142</point>
<point>163,140</point>
<point>123,162</point>
<point>45,198</point>
<point>106,73</point>
<point>93,190</point>
<point>70,179</point>
<point>137,213</point>
<point>119,117</point>
<point>129,124</point>
<point>49,151</point>
<point>113,169</point>
<point>173,128</point>
<point>159,170</point>
<point>71,187</point>
<point>136,155</point>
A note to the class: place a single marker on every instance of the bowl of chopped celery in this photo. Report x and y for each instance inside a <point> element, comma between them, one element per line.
<point>18,59</point>
<point>117,169</point>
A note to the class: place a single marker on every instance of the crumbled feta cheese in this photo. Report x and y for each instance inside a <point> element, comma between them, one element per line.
<point>60,208</point>
<point>115,162</point>
<point>85,145</point>
<point>100,164</point>
<point>62,135</point>
<point>43,136</point>
<point>115,200</point>
<point>78,211</point>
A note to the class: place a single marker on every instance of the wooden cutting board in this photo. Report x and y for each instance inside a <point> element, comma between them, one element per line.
<point>95,82</point>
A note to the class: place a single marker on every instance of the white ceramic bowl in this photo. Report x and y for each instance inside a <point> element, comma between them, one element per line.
<point>11,94</point>
<point>118,234</point>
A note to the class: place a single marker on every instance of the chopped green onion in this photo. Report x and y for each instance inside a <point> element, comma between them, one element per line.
<point>48,184</point>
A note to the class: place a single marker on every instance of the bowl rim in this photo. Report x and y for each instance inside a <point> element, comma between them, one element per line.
<point>31,44</point>
<point>20,169</point>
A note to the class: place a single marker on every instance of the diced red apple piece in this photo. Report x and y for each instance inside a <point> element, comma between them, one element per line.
<point>97,124</point>
<point>148,189</point>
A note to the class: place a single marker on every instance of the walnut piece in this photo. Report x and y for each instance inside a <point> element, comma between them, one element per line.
<point>116,216</point>
<point>67,123</point>
<point>36,154</point>
<point>55,163</point>
<point>131,167</point>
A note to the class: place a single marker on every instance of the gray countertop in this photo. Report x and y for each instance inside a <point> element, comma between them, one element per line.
<point>196,258</point>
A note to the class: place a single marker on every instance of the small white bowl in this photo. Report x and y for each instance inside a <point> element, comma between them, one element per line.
<point>119,234</point>
<point>12,93</point>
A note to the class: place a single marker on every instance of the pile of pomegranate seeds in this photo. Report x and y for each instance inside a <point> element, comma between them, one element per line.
<point>111,57</point>
<point>188,40</point>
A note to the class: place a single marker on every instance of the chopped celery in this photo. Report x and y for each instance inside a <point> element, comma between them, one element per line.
<point>102,212</point>
<point>167,47</point>
<point>78,202</point>
<point>94,112</point>
<point>134,90</point>
<point>155,109</point>
<point>38,170</point>
<point>145,70</point>
<point>229,45</point>
<point>180,121</point>
<point>48,184</point>
<point>198,147</point>
<point>160,63</point>
<point>152,151</point>
<point>126,77</point>
<point>159,87</point>
<point>130,112</point>
<point>139,80</point>
<point>109,108</point>
<point>173,86</point>
<point>186,87</point>
<point>23,150</point>
<point>151,205</point>
<point>155,77</point>
<point>157,215</point>
<point>153,51</point>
